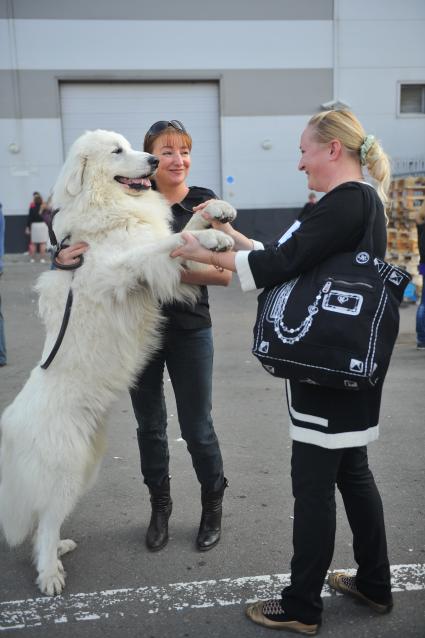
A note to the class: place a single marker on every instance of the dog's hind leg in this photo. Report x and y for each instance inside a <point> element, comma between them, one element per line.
<point>51,574</point>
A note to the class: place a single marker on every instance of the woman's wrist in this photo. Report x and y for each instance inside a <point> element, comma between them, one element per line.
<point>241,241</point>
<point>214,261</point>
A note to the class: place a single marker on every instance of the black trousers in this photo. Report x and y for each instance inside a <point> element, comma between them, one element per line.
<point>315,472</point>
<point>188,355</point>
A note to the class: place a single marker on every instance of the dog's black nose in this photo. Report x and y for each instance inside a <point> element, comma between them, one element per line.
<point>153,161</point>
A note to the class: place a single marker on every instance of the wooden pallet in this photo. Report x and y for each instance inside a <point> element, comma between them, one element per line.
<point>407,195</point>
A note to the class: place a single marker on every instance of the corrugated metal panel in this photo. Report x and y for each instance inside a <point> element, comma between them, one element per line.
<point>131,107</point>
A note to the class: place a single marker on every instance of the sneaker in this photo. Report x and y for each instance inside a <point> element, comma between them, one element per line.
<point>346,584</point>
<point>420,346</point>
<point>42,261</point>
<point>269,613</point>
<point>32,261</point>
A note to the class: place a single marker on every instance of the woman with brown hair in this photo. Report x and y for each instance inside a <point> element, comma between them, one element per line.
<point>187,351</point>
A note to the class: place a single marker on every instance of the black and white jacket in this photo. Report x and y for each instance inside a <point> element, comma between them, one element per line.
<point>322,416</point>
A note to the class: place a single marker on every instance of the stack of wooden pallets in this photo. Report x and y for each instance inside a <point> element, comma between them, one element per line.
<point>407,196</point>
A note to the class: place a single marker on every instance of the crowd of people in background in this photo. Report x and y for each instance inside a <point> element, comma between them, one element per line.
<point>36,229</point>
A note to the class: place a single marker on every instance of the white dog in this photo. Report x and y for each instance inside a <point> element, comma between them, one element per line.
<point>53,434</point>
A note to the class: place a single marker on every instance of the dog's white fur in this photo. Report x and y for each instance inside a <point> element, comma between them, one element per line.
<point>53,434</point>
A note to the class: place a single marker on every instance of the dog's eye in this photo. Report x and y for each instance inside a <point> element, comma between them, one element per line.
<point>118,150</point>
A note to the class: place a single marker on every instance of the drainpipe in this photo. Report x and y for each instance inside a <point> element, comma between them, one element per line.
<point>17,100</point>
<point>335,32</point>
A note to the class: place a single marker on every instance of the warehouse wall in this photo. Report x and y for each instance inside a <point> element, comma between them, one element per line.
<point>380,44</point>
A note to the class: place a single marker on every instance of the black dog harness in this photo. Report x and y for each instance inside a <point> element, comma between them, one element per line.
<point>68,306</point>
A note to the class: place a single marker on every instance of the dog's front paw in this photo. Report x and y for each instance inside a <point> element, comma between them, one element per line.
<point>215,240</point>
<point>52,583</point>
<point>221,211</point>
<point>66,545</point>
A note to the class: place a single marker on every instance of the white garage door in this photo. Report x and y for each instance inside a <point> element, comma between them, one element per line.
<point>130,108</point>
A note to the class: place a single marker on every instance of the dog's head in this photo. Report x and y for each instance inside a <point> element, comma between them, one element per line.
<point>102,165</point>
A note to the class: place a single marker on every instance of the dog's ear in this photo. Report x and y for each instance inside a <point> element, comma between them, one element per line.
<point>74,179</point>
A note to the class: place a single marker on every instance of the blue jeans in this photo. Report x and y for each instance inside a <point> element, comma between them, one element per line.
<point>2,340</point>
<point>420,318</point>
<point>188,355</point>
<point>315,472</point>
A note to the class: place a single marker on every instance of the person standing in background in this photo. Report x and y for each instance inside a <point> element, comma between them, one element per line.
<point>3,356</point>
<point>420,313</point>
<point>312,201</point>
<point>37,229</point>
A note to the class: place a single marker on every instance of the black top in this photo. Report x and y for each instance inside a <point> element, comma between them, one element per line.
<point>183,316</point>
<point>336,224</point>
<point>325,416</point>
<point>34,215</point>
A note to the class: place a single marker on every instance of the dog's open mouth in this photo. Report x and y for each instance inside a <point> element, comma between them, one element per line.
<point>134,183</point>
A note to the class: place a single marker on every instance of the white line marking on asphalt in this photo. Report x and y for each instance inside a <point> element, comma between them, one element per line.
<point>43,611</point>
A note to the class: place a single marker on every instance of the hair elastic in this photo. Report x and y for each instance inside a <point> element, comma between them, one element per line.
<point>367,144</point>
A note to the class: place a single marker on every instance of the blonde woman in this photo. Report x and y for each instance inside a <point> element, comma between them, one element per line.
<point>330,429</point>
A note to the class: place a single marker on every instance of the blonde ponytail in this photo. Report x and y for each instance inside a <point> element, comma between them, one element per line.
<point>378,166</point>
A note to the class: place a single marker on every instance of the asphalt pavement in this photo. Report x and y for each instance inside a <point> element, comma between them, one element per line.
<point>117,588</point>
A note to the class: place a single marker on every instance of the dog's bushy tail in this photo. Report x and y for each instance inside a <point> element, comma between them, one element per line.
<point>16,512</point>
<point>16,520</point>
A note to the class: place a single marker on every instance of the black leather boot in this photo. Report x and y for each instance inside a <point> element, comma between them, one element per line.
<point>157,534</point>
<point>210,526</point>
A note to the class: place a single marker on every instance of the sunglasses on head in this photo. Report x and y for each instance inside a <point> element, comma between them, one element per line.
<point>161,125</point>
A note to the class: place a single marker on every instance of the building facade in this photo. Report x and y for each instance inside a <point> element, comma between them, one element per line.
<point>244,77</point>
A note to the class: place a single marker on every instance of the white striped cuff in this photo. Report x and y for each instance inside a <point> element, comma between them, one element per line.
<point>243,269</point>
